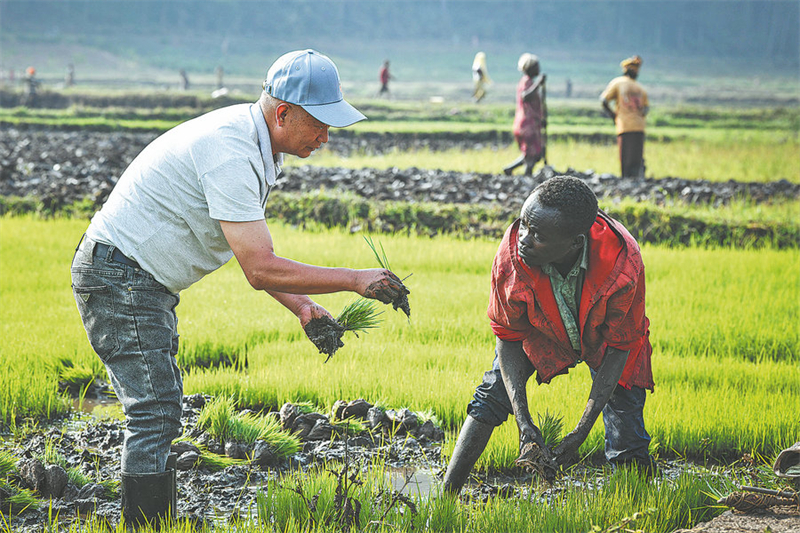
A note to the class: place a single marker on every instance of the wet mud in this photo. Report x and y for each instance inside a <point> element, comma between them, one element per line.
<point>207,494</point>
<point>326,334</point>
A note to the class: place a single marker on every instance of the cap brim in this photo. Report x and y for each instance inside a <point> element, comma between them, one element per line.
<point>338,114</point>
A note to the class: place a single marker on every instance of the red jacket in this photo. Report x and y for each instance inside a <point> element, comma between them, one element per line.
<point>612,307</point>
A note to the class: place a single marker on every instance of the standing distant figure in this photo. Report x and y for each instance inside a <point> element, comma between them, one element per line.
<point>30,95</point>
<point>384,76</point>
<point>529,118</point>
<point>629,116</point>
<point>568,91</point>
<point>480,76</point>
<point>184,80</point>
<point>69,78</point>
<point>220,73</point>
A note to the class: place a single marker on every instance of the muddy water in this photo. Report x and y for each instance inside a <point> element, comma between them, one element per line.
<point>108,407</point>
<point>414,482</point>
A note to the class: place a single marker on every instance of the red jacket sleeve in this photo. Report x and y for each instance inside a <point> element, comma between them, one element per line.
<point>508,310</point>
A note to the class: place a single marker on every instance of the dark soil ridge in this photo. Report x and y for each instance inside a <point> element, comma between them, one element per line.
<point>55,170</point>
<point>61,167</point>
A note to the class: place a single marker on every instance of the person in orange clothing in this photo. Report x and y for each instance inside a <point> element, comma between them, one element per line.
<point>631,107</point>
<point>567,287</point>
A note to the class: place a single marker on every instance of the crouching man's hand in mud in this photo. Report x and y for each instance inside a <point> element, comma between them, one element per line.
<point>535,455</point>
<point>566,452</point>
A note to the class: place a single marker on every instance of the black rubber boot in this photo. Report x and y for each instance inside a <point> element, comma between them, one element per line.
<point>471,442</point>
<point>150,498</point>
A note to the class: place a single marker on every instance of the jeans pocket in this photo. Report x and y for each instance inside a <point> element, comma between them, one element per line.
<point>96,307</point>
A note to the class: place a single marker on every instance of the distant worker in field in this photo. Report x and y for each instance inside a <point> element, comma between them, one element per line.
<point>568,286</point>
<point>530,117</point>
<point>184,80</point>
<point>480,76</point>
<point>190,201</point>
<point>69,78</point>
<point>30,96</point>
<point>629,116</point>
<point>384,76</point>
<point>219,72</point>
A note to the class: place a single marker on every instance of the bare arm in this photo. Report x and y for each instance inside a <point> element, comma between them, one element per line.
<point>526,95</point>
<point>303,307</point>
<point>516,370</point>
<point>610,112</point>
<point>251,243</point>
<point>603,386</point>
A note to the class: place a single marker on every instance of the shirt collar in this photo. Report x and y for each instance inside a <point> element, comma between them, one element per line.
<point>265,146</point>
<point>582,263</point>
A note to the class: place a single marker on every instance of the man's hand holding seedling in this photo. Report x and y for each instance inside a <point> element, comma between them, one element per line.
<point>386,287</point>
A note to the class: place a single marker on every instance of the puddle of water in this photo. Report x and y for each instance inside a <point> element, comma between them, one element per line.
<point>421,483</point>
<point>99,407</point>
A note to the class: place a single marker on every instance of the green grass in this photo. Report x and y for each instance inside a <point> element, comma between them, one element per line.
<point>723,325</point>
<point>739,159</point>
<point>723,329</point>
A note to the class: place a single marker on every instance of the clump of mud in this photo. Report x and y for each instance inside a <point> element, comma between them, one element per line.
<point>401,302</point>
<point>326,334</point>
<point>537,459</point>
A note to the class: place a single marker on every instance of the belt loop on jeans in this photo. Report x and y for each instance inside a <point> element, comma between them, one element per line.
<point>103,250</point>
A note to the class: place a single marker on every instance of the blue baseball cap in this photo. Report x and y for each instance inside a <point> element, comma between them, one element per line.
<point>311,80</point>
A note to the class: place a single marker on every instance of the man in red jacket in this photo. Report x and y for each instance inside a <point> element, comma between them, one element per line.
<point>567,287</point>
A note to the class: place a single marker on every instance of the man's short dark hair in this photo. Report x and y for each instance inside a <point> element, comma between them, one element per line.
<point>573,199</point>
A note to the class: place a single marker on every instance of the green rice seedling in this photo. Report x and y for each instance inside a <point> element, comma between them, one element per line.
<point>427,415</point>
<point>73,378</point>
<point>18,500</point>
<point>359,316</point>
<point>8,463</point>
<point>551,427</point>
<point>220,419</point>
<point>349,426</point>
<point>401,302</point>
<point>215,462</point>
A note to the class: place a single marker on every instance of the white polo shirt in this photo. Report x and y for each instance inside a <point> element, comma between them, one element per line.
<point>164,211</point>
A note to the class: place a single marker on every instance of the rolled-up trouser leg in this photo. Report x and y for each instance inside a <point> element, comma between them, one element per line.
<point>627,439</point>
<point>490,403</point>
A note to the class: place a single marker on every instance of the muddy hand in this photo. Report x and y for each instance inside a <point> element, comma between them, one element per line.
<point>566,452</point>
<point>311,311</point>
<point>537,457</point>
<point>386,288</point>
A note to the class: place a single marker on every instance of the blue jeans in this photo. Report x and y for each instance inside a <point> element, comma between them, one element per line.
<point>131,324</point>
<point>626,438</point>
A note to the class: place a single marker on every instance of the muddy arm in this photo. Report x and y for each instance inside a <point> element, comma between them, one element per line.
<point>603,386</point>
<point>516,370</point>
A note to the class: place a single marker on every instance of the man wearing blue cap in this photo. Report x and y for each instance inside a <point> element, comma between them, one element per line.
<point>190,201</point>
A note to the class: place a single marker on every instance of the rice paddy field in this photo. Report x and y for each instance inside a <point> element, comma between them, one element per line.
<point>724,328</point>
